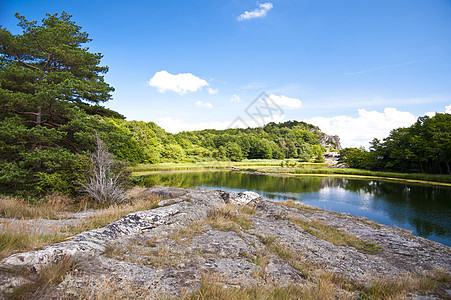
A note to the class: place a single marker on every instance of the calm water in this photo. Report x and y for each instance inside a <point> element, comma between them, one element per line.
<point>424,209</point>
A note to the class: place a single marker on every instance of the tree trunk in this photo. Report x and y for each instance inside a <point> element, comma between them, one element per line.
<point>38,116</point>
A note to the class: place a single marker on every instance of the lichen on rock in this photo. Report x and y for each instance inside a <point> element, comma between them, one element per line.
<point>244,239</point>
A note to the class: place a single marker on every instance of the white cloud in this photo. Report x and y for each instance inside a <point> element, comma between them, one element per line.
<point>178,125</point>
<point>359,131</point>
<point>235,98</point>
<point>256,13</point>
<point>212,91</point>
<point>431,114</point>
<point>286,102</point>
<point>181,83</point>
<point>204,104</point>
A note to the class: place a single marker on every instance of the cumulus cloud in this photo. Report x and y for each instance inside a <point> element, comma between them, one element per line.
<point>286,102</point>
<point>204,104</point>
<point>448,109</point>
<point>259,12</point>
<point>212,91</point>
<point>359,131</point>
<point>181,83</point>
<point>235,98</point>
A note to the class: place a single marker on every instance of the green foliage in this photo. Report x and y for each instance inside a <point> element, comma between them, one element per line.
<point>291,139</point>
<point>233,151</point>
<point>50,90</point>
<point>173,152</point>
<point>423,147</point>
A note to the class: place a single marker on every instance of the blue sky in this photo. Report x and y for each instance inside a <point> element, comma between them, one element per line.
<point>356,68</point>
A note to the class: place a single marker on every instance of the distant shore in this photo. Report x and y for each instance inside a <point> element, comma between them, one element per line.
<point>273,167</point>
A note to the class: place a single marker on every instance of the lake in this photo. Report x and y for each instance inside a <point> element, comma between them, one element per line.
<point>423,209</point>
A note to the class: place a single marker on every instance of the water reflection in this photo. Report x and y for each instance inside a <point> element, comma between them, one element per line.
<point>424,209</point>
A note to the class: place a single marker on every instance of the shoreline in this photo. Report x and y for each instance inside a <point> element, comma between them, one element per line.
<point>245,240</point>
<point>277,173</point>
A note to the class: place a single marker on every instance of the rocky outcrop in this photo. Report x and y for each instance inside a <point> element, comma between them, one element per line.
<point>244,239</point>
<point>331,141</point>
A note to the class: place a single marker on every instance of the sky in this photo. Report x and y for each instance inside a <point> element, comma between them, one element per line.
<point>355,68</point>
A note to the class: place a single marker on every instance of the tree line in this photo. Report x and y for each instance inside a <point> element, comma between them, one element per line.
<point>423,147</point>
<point>51,91</point>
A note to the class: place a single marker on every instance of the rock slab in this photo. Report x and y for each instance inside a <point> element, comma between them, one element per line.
<point>238,236</point>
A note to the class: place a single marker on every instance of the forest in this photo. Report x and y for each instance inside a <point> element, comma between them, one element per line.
<point>52,90</point>
<point>423,147</point>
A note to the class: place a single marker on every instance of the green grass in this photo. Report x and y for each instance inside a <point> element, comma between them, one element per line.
<point>319,170</point>
<point>334,236</point>
<point>249,163</point>
<point>300,168</point>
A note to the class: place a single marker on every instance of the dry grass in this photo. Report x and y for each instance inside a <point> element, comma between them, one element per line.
<point>298,205</point>
<point>158,256</point>
<point>399,286</point>
<point>212,286</point>
<point>17,236</point>
<point>334,236</point>
<point>324,286</point>
<point>113,213</point>
<point>107,288</point>
<point>294,258</point>
<point>158,252</point>
<point>43,280</point>
<point>46,208</point>
<point>228,217</point>
<point>114,251</point>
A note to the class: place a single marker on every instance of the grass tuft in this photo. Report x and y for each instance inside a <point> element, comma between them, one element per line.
<point>44,279</point>
<point>402,284</point>
<point>46,208</point>
<point>17,236</point>
<point>334,236</point>
<point>212,286</point>
<point>227,217</point>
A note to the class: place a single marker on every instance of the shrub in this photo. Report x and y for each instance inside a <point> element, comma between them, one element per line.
<point>106,181</point>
